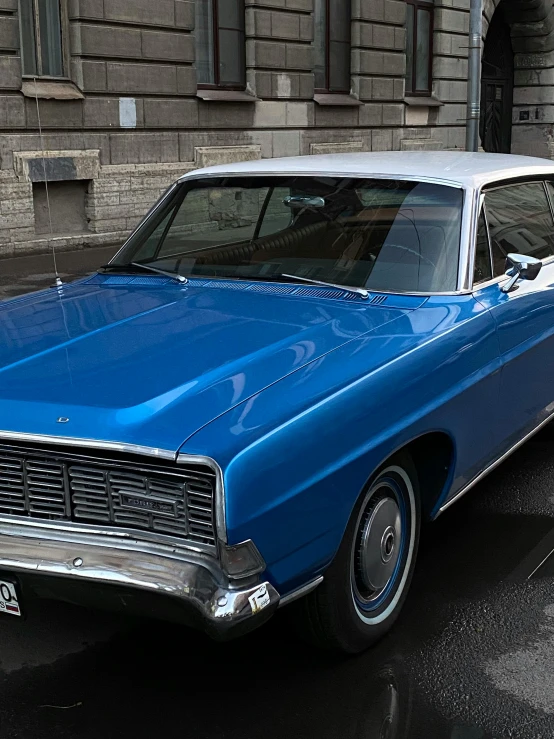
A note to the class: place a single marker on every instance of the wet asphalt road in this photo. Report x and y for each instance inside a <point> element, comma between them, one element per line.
<point>472,656</point>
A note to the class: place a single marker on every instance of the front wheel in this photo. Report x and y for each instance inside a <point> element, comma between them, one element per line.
<point>366,584</point>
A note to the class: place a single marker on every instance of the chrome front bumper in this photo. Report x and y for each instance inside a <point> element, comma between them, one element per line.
<point>213,603</point>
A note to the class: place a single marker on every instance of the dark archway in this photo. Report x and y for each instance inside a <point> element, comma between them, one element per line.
<point>497,87</point>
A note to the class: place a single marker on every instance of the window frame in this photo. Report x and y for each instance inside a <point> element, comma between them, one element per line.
<point>327,40</point>
<point>481,207</point>
<point>64,42</point>
<point>215,52</point>
<point>428,6</point>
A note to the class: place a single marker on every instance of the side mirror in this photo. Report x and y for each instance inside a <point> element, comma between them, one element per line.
<point>520,267</point>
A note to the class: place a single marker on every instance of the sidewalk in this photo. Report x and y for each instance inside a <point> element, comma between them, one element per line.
<point>36,271</point>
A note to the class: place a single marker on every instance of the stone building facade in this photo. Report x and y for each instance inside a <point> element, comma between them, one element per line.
<point>124,109</point>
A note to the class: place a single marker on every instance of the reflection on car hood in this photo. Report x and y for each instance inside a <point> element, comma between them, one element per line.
<point>150,364</point>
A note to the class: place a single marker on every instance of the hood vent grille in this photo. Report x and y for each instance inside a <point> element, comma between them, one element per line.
<point>261,288</point>
<point>133,280</point>
<point>378,299</point>
<point>307,291</point>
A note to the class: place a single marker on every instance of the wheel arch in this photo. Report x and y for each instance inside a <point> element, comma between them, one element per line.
<point>433,455</point>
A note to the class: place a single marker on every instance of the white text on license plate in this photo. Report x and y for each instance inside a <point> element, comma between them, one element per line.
<point>8,599</point>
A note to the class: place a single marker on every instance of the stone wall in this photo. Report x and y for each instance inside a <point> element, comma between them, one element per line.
<point>136,111</point>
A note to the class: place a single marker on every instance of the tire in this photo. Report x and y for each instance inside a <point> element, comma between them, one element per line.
<point>366,584</point>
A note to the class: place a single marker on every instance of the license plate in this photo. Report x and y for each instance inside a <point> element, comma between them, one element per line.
<point>9,602</point>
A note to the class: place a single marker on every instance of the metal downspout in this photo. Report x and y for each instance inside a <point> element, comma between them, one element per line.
<point>474,75</point>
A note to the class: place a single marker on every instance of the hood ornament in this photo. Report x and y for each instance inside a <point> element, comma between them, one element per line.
<point>62,419</point>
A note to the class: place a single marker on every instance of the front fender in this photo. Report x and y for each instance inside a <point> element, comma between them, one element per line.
<point>297,455</point>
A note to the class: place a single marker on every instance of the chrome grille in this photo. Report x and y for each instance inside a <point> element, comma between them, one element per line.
<point>173,500</point>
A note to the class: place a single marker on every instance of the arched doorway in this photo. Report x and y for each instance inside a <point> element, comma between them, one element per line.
<point>497,86</point>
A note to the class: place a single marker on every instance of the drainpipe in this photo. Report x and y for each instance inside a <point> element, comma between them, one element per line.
<point>474,75</point>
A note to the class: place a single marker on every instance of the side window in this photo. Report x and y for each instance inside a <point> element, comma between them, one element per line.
<point>483,270</point>
<point>419,47</point>
<point>520,221</point>
<point>332,19</point>
<point>41,38</point>
<point>220,45</point>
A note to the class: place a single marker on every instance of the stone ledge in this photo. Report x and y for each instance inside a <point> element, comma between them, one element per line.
<point>209,156</point>
<point>340,147</point>
<point>225,96</point>
<point>57,166</point>
<point>165,169</point>
<point>44,245</point>
<point>420,145</point>
<point>423,101</point>
<point>342,100</point>
<point>51,89</point>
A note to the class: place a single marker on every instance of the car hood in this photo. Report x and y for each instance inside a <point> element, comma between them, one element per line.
<point>150,362</point>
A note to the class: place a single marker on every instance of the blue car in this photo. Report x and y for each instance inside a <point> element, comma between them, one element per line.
<point>287,368</point>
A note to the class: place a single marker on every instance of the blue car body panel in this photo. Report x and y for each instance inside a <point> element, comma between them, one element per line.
<point>525,328</point>
<point>150,365</point>
<point>299,398</point>
<point>297,455</point>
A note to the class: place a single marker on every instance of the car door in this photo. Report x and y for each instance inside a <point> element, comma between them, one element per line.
<point>518,218</point>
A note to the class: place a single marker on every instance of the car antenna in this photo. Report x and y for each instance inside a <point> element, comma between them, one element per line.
<point>59,282</point>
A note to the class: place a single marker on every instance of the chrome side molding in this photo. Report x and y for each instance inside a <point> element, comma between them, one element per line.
<point>494,465</point>
<point>299,592</point>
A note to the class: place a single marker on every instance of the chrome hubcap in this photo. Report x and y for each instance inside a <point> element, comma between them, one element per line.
<point>379,546</point>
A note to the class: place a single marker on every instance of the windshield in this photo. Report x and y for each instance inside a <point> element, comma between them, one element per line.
<point>386,235</point>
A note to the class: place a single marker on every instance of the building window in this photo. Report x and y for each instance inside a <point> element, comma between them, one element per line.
<point>419,47</point>
<point>332,45</point>
<point>41,38</point>
<point>220,43</point>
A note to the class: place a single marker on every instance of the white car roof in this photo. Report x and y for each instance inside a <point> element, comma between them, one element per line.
<point>465,169</point>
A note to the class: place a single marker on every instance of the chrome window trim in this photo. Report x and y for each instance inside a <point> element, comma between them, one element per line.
<point>219,502</point>
<point>468,230</point>
<point>487,229</point>
<point>536,180</point>
<point>494,281</point>
<point>189,176</point>
<point>482,208</point>
<point>475,183</point>
<point>502,278</point>
<point>549,196</point>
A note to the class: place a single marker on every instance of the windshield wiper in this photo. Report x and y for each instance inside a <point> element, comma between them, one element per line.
<point>122,267</point>
<point>356,290</point>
